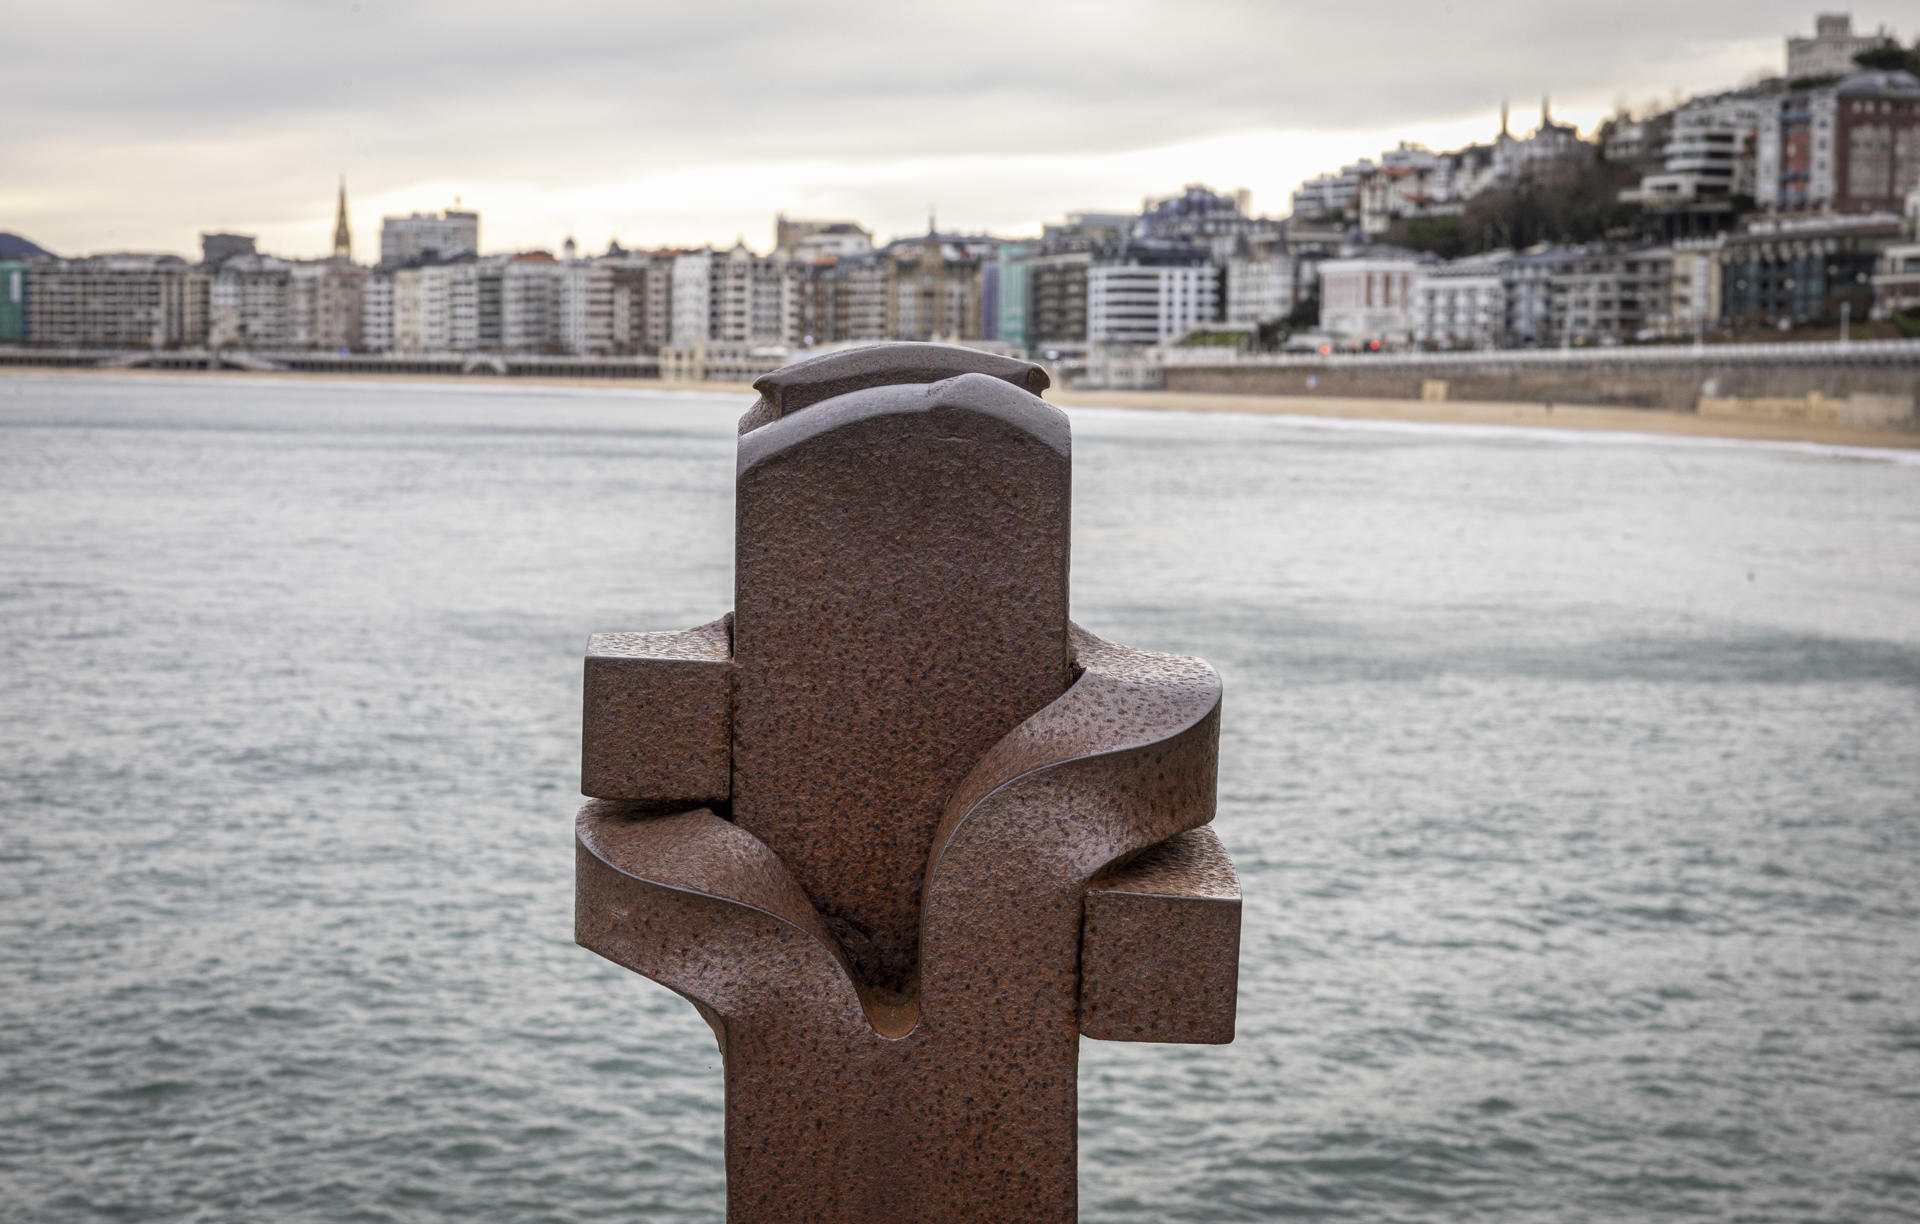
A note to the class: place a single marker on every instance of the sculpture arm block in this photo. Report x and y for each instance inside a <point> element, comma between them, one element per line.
<point>657,722</point>
<point>701,906</point>
<point>1160,945</point>
<point>1123,761</point>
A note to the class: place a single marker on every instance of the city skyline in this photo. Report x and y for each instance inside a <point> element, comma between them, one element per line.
<point>982,127</point>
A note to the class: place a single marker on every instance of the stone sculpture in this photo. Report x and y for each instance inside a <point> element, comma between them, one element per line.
<point>898,829</point>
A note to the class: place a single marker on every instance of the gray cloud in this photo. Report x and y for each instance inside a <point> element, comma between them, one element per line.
<point>138,102</point>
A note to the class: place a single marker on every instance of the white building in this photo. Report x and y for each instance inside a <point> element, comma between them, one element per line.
<point>1693,302</point>
<point>1143,295</point>
<point>1260,285</point>
<point>810,240</point>
<point>1371,297</point>
<point>376,312</point>
<point>692,298</point>
<point>1462,304</point>
<point>1831,50</point>
<point>1328,194</point>
<point>1710,150</point>
<point>419,235</point>
<point>586,323</point>
<point>736,297</point>
<point>530,314</point>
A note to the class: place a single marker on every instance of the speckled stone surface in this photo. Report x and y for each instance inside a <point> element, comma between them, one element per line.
<point>1160,945</point>
<point>930,768</point>
<point>900,604</point>
<point>656,718</point>
<point>804,383</point>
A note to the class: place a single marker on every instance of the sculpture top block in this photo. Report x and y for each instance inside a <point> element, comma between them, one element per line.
<point>898,828</point>
<point>900,605</point>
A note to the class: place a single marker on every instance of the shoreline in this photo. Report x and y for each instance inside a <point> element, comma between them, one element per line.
<point>1580,417</point>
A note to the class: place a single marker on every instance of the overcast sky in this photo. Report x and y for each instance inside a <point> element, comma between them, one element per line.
<point>134,125</point>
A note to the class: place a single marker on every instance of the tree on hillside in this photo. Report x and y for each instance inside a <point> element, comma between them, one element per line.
<point>1891,58</point>
<point>1305,315</point>
<point>1574,199</point>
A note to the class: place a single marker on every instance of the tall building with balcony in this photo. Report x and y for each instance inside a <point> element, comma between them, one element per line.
<point>1710,150</point>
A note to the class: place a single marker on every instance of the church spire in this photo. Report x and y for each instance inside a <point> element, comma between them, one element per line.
<point>1503,117</point>
<point>342,236</point>
<point>1546,113</point>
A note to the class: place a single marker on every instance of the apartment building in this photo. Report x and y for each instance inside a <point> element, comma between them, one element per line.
<point>1802,268</point>
<point>856,298</point>
<point>440,235</point>
<point>1150,292</point>
<point>1693,300</point>
<point>1710,150</point>
<point>326,299</point>
<point>586,306</point>
<point>250,302</point>
<point>376,312</point>
<point>1057,317</point>
<point>1606,295</point>
<point>116,301</point>
<point>1462,304</point>
<point>1217,221</point>
<point>1849,147</point>
<point>1369,297</point>
<point>642,300</point>
<point>529,303</point>
<point>1260,283</point>
<point>933,287</point>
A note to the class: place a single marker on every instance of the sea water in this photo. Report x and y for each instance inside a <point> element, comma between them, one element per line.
<point>1573,781</point>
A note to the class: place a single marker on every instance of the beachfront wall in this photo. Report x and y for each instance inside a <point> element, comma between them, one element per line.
<point>1886,373</point>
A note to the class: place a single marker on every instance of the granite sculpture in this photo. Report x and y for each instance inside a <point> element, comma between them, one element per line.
<point>898,829</point>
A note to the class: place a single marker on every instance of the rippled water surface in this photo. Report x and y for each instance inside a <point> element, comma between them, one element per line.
<point>1574,785</point>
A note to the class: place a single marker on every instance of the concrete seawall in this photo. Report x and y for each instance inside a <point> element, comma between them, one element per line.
<point>1882,386</point>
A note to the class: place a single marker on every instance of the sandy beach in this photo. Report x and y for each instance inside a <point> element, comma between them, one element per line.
<point>1447,412</point>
